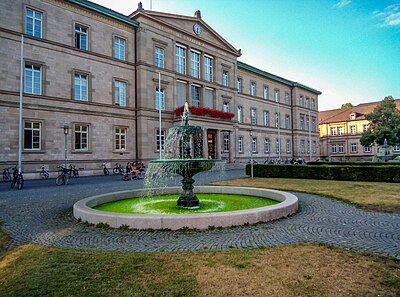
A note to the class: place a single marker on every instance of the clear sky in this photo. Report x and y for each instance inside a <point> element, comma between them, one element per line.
<point>347,49</point>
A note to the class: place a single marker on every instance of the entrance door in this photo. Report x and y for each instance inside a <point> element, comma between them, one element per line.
<point>211,137</point>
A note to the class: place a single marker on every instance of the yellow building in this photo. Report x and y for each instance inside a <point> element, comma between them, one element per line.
<point>340,132</point>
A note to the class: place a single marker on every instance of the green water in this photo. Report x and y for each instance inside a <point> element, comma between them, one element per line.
<point>166,204</point>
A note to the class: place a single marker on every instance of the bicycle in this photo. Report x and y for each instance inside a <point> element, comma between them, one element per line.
<point>105,169</point>
<point>73,171</point>
<point>18,179</point>
<point>118,170</point>
<point>63,177</point>
<point>7,175</point>
<point>44,173</point>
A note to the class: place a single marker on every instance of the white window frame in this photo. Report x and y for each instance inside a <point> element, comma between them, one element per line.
<point>119,48</point>
<point>225,78</point>
<point>266,146</point>
<point>225,106</point>
<point>287,101</point>
<point>80,132</point>
<point>196,101</point>
<point>277,96</point>
<point>301,100</point>
<point>266,92</point>
<point>208,68</point>
<point>158,140</point>
<point>254,144</point>
<point>253,89</point>
<point>367,149</point>
<point>353,130</point>
<point>333,131</point>
<point>240,114</point>
<point>81,37</point>
<point>277,120</point>
<point>266,118</point>
<point>287,121</point>
<point>277,146</point>
<point>288,146</point>
<point>239,85</point>
<point>226,142</point>
<point>180,57</point>
<point>240,144</point>
<point>34,145</point>
<point>341,148</point>
<point>37,17</point>
<point>195,63</point>
<point>160,98</point>
<point>83,94</point>
<point>253,116</point>
<point>353,147</point>
<point>32,73</point>
<point>307,102</point>
<point>159,57</point>
<point>120,134</point>
<point>119,93</point>
<point>340,131</point>
<point>334,148</point>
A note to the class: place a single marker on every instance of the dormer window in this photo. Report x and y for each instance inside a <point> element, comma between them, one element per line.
<point>352,116</point>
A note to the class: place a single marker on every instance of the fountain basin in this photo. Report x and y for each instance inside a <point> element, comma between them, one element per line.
<point>288,205</point>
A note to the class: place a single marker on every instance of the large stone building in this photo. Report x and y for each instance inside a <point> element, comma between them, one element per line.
<point>340,133</point>
<point>97,71</point>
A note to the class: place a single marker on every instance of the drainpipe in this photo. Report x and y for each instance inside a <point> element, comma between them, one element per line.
<point>292,120</point>
<point>136,101</point>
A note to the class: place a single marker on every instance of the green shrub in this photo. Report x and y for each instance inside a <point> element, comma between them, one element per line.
<point>349,163</point>
<point>388,173</point>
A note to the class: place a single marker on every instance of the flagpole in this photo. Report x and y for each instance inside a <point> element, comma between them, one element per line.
<point>309,133</point>
<point>20,106</point>
<point>159,112</point>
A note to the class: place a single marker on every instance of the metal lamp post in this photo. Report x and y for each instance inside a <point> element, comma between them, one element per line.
<point>66,130</point>
<point>251,154</point>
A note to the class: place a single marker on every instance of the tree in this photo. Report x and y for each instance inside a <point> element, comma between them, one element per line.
<point>384,124</point>
<point>346,105</point>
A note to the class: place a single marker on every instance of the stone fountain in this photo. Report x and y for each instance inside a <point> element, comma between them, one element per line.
<point>183,156</point>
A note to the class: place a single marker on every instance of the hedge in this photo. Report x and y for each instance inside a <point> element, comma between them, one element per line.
<point>386,173</point>
<point>344,163</point>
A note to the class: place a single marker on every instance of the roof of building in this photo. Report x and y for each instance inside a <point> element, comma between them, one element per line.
<point>104,11</point>
<point>275,77</point>
<point>342,115</point>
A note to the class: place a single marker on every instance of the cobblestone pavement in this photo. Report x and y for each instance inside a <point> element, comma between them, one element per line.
<point>42,213</point>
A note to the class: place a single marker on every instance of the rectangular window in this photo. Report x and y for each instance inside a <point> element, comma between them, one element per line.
<point>254,145</point>
<point>334,148</point>
<point>119,48</point>
<point>302,122</point>
<point>314,147</point>
<point>307,102</point>
<point>209,98</point>
<point>288,146</point>
<point>33,23</point>
<point>266,118</point>
<point>367,149</point>
<point>277,146</point>
<point>276,120</point>
<point>333,131</point>
<point>226,107</point>
<point>277,96</point>
<point>159,57</point>
<point>33,79</point>
<point>120,139</point>
<point>226,142</point>
<point>181,93</point>
<point>239,114</point>
<point>365,127</point>
<point>341,148</point>
<point>308,146</point>
<point>32,135</point>
<point>314,124</point>
<point>208,68</point>
<point>266,146</point>
<point>287,121</point>
<point>225,78</point>
<point>160,100</point>
<point>340,131</point>
<point>81,37</point>
<point>119,93</point>
<point>81,137</point>
<point>354,147</point>
<point>195,64</point>
<point>265,93</point>
<point>313,104</point>
<point>253,116</point>
<point>81,87</point>
<point>287,101</point>
<point>302,146</point>
<point>180,56</point>
<point>195,96</point>
<point>240,144</point>
<point>301,100</point>
<point>353,130</point>
<point>239,85</point>
<point>307,123</point>
<point>160,140</point>
<point>253,89</point>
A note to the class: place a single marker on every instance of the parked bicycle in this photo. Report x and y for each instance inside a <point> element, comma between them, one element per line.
<point>73,171</point>
<point>44,173</point>
<point>105,169</point>
<point>18,179</point>
<point>6,175</point>
<point>118,169</point>
<point>63,176</point>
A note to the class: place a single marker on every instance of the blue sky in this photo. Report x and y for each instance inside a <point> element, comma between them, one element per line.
<point>347,49</point>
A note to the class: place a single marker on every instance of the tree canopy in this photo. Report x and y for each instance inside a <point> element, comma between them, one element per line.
<point>346,105</point>
<point>384,124</point>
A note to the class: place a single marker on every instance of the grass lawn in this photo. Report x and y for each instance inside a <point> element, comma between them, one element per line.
<point>368,195</point>
<point>3,240</point>
<point>303,270</point>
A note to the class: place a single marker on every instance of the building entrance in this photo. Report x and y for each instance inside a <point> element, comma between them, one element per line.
<point>211,143</point>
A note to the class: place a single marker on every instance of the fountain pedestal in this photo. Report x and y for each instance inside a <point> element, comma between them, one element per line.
<point>188,199</point>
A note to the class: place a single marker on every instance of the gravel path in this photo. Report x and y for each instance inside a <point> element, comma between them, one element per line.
<point>42,213</point>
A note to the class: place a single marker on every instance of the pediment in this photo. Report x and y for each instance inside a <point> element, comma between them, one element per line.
<point>185,24</point>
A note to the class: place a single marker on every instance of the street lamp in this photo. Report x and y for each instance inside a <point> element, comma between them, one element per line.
<point>66,130</point>
<point>251,154</point>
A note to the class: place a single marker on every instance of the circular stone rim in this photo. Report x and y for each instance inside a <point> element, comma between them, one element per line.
<point>288,204</point>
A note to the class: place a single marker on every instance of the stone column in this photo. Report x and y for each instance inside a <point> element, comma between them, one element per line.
<point>205,143</point>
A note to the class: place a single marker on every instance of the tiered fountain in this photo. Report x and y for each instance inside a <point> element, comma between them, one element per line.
<point>184,156</point>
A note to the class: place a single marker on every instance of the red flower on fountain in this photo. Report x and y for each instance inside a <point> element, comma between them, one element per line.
<point>215,113</point>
